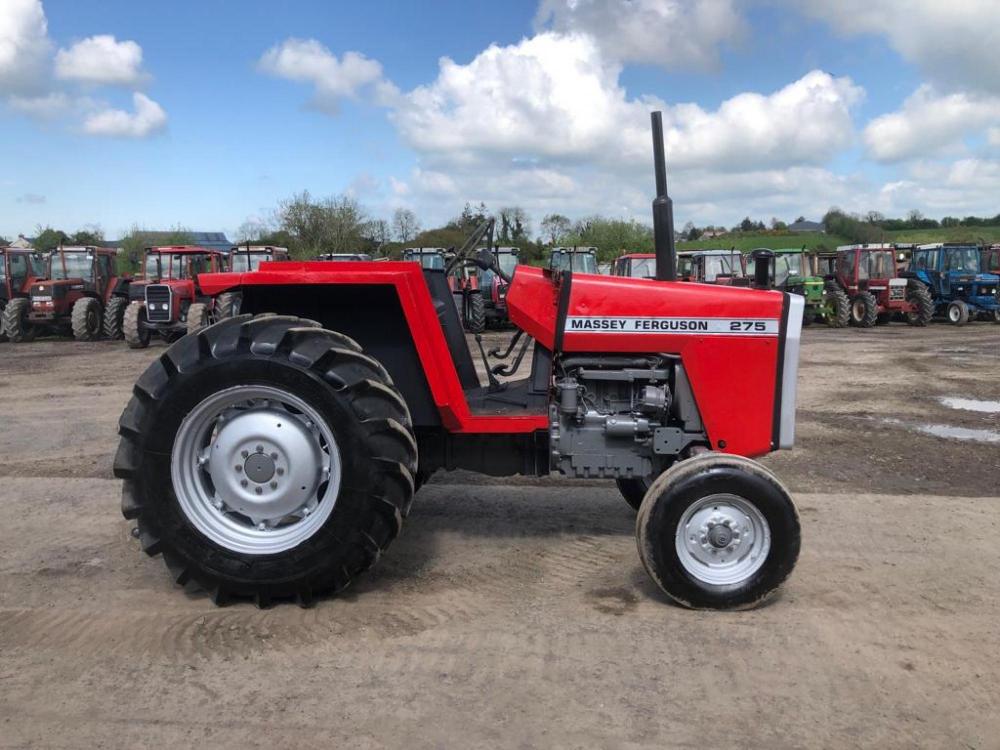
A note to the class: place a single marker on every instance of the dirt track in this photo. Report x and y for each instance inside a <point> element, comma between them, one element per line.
<point>515,613</point>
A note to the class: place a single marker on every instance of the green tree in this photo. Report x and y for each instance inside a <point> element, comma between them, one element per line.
<point>554,227</point>
<point>48,239</point>
<point>611,237</point>
<point>138,239</point>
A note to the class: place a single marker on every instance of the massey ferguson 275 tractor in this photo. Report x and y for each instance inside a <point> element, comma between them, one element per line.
<point>82,295</point>
<point>19,270</point>
<point>275,455</point>
<point>170,300</point>
<point>868,275</point>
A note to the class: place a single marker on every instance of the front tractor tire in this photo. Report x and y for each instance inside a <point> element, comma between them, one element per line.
<point>114,318</point>
<point>198,317</point>
<point>633,490</point>
<point>836,307</point>
<point>15,321</point>
<point>958,313</point>
<point>718,532</point>
<point>227,305</point>
<point>864,310</point>
<point>266,458</point>
<point>134,328</point>
<point>919,296</point>
<point>87,319</point>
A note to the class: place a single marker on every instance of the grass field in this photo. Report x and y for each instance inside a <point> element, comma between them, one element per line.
<point>811,240</point>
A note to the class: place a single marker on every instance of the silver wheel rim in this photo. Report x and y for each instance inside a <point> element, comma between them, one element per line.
<point>858,310</point>
<point>722,539</point>
<point>255,469</point>
<point>954,313</point>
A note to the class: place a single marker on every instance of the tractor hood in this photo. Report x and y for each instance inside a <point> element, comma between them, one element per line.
<point>739,346</point>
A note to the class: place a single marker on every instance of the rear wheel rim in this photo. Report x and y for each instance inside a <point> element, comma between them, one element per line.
<point>858,310</point>
<point>722,540</point>
<point>256,469</point>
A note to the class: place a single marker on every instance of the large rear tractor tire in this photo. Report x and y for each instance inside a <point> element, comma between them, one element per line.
<point>958,313</point>
<point>15,321</point>
<point>919,295</point>
<point>198,317</point>
<point>227,305</point>
<point>718,532</point>
<point>475,312</point>
<point>266,458</point>
<point>837,307</point>
<point>134,328</point>
<point>114,318</point>
<point>864,310</point>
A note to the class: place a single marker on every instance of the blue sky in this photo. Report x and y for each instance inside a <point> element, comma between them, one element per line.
<point>885,107</point>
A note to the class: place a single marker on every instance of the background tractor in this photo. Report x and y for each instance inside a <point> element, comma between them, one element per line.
<point>576,259</point>
<point>170,301</point>
<point>249,257</point>
<point>635,265</point>
<point>82,295</point>
<point>275,455</point>
<point>958,287</point>
<point>19,270</point>
<point>867,274</point>
<point>791,270</point>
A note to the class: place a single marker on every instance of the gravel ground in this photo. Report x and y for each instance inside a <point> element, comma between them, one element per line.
<point>515,612</point>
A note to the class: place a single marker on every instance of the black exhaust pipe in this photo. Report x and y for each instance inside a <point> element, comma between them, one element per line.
<point>663,209</point>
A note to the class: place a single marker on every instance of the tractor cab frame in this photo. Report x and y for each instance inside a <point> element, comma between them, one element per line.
<point>722,267</point>
<point>635,265</point>
<point>575,259</point>
<point>343,256</point>
<point>249,257</point>
<point>793,270</point>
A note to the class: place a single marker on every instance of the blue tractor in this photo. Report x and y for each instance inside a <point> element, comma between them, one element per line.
<point>954,273</point>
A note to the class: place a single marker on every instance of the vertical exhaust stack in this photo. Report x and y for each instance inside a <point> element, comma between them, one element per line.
<point>663,209</point>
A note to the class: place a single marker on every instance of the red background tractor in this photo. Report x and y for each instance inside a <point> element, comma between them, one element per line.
<point>19,270</point>
<point>170,301</point>
<point>868,275</point>
<point>82,295</point>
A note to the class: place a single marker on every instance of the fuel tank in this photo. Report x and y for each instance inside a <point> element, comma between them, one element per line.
<point>739,347</point>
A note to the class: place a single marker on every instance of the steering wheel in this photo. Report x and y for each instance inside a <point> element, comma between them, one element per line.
<point>484,258</point>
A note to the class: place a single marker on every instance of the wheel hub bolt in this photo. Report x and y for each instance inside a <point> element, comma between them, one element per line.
<point>245,454</point>
<point>243,483</point>
<point>274,485</point>
<point>260,448</point>
<point>258,490</point>
<point>274,456</point>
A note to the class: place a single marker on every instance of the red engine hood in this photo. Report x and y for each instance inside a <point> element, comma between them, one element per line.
<point>729,339</point>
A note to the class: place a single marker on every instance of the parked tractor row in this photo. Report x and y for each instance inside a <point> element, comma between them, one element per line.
<point>861,285</point>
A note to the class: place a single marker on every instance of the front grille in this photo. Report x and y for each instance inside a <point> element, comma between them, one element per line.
<point>897,292</point>
<point>158,303</point>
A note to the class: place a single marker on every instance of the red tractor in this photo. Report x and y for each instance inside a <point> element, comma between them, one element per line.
<point>170,300</point>
<point>275,455</point>
<point>83,295</point>
<point>19,270</point>
<point>868,275</point>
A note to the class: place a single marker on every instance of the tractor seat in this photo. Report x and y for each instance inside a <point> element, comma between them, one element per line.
<point>451,325</point>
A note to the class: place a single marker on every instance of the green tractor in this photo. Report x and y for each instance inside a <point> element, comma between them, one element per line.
<point>795,270</point>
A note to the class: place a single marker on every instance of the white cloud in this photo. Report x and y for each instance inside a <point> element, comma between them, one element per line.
<point>672,33</point>
<point>101,59</point>
<point>43,107</point>
<point>333,78</point>
<point>961,188</point>
<point>147,119</point>
<point>555,96</point>
<point>24,46</point>
<point>929,122</point>
<point>955,43</point>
